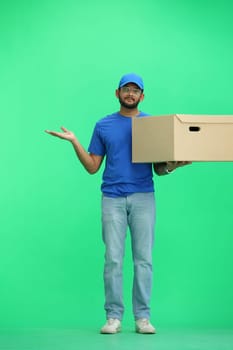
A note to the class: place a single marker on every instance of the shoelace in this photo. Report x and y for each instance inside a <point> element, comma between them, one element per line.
<point>144,322</point>
<point>111,321</point>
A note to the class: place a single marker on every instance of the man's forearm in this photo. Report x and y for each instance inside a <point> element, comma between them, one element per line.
<point>165,168</point>
<point>85,158</point>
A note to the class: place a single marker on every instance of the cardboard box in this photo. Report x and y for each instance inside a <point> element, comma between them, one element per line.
<point>182,137</point>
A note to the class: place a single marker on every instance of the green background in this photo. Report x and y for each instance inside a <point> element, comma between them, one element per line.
<point>60,62</point>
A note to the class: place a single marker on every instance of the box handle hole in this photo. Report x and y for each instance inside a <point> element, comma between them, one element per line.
<point>194,128</point>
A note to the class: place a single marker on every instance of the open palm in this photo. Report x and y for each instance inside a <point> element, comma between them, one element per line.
<point>66,134</point>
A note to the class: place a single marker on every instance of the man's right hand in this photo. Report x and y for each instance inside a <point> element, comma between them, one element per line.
<point>65,135</point>
<point>91,162</point>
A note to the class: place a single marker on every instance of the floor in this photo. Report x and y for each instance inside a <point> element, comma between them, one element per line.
<point>90,339</point>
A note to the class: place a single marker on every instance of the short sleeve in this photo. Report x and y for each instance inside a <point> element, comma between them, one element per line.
<point>96,145</point>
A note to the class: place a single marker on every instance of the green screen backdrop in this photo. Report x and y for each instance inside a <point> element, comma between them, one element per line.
<point>60,63</point>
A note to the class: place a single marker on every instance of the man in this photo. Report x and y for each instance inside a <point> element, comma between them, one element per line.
<point>127,201</point>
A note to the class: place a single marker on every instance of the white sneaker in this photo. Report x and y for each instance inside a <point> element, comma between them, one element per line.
<point>112,326</point>
<point>144,326</point>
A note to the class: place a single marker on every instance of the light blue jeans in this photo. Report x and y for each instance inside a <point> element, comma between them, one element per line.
<point>136,211</point>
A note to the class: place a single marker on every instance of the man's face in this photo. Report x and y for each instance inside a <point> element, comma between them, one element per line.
<point>129,95</point>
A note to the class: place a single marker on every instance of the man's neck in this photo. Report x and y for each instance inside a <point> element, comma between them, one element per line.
<point>127,112</point>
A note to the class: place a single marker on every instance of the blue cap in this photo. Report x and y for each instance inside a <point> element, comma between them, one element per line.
<point>131,78</point>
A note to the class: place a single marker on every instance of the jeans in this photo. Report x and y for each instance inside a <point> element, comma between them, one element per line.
<point>136,211</point>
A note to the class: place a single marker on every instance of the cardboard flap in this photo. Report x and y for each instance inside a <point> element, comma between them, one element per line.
<point>204,119</point>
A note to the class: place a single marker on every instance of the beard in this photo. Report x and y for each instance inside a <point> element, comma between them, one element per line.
<point>129,105</point>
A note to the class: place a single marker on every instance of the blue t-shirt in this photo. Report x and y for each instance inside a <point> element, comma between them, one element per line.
<point>112,137</point>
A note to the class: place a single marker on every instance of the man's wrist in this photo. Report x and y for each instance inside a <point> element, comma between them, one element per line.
<point>171,166</point>
<point>168,171</point>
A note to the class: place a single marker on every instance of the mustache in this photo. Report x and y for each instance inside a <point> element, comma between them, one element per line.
<point>128,105</point>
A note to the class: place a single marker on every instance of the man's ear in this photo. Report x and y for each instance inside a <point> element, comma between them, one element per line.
<point>117,93</point>
<point>142,97</point>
